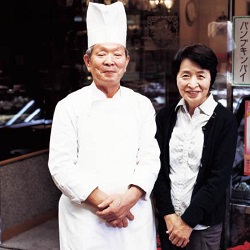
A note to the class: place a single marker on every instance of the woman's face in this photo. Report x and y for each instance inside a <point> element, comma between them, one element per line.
<point>193,83</point>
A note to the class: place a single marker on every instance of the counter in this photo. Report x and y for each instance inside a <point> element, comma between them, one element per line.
<point>28,195</point>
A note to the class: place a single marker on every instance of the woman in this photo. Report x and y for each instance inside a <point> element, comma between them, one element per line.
<point>197,138</point>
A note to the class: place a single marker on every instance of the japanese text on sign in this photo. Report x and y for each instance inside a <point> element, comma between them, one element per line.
<point>241,53</point>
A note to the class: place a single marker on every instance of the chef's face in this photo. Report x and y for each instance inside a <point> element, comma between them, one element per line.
<point>107,64</point>
<point>193,83</point>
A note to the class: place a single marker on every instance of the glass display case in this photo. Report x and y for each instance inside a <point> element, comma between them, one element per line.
<point>152,40</point>
<point>23,124</point>
<point>46,63</point>
<point>240,185</point>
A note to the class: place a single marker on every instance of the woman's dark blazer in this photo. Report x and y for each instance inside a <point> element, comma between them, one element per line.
<point>208,199</point>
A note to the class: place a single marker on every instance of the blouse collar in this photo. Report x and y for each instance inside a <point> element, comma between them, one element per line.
<point>206,107</point>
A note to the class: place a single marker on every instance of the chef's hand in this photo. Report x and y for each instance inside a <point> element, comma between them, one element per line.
<point>117,207</point>
<point>96,197</point>
<point>121,223</point>
<point>115,211</point>
<point>179,232</point>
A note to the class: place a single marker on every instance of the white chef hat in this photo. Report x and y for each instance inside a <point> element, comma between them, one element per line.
<point>106,23</point>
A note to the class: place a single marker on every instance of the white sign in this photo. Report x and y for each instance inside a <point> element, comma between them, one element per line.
<point>241,53</point>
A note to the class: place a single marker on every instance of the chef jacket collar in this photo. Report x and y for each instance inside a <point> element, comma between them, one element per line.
<point>99,95</point>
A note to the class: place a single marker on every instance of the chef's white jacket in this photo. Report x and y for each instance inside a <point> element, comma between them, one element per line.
<point>107,143</point>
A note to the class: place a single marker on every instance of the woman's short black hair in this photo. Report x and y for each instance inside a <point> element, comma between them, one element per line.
<point>199,54</point>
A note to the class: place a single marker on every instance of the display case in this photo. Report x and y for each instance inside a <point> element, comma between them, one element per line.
<point>24,126</point>
<point>152,41</point>
<point>239,222</point>
<point>46,63</point>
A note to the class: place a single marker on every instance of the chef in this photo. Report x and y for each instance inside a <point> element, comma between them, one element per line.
<point>103,154</point>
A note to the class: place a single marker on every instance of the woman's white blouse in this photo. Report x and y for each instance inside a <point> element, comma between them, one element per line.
<point>186,146</point>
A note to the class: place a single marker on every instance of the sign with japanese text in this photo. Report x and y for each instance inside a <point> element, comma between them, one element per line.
<point>241,52</point>
<point>247,139</point>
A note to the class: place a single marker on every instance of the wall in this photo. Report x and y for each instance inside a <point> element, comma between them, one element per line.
<point>188,34</point>
<point>206,12</point>
<point>240,8</point>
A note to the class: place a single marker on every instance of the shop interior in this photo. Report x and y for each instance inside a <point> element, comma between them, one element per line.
<point>41,48</point>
